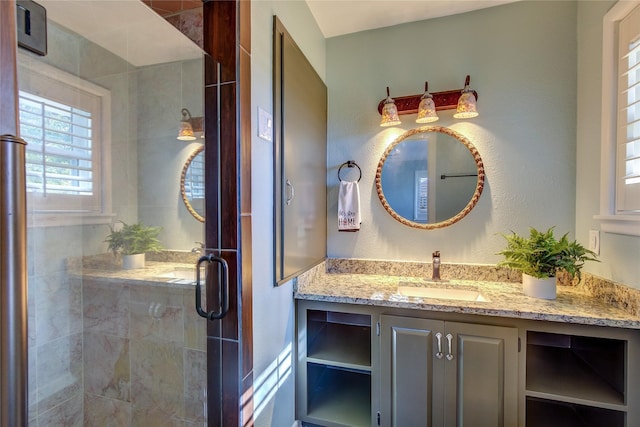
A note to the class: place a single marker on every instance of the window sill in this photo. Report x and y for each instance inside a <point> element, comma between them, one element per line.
<point>62,219</point>
<point>620,224</point>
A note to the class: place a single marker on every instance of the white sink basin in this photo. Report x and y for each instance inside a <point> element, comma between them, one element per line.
<point>442,293</point>
<point>179,274</point>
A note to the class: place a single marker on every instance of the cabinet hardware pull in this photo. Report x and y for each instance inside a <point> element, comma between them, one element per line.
<point>449,354</point>
<point>439,338</point>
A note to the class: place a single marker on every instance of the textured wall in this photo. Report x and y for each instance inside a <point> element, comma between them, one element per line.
<point>273,314</point>
<point>526,80</point>
<point>618,253</point>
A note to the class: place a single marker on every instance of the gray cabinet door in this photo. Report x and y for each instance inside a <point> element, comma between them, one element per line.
<point>481,379</point>
<point>411,376</point>
<point>471,379</point>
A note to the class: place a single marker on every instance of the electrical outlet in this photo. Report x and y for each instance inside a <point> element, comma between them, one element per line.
<point>594,241</point>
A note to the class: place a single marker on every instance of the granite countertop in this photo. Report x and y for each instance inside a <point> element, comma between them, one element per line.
<point>574,304</point>
<point>175,273</point>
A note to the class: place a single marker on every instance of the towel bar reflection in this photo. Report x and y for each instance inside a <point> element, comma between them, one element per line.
<point>350,164</point>
<point>457,175</point>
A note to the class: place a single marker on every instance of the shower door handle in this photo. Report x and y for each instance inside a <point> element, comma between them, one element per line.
<point>290,194</point>
<point>224,289</point>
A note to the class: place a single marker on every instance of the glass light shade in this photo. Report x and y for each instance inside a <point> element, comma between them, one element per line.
<point>389,113</point>
<point>427,110</point>
<point>186,132</point>
<point>466,105</point>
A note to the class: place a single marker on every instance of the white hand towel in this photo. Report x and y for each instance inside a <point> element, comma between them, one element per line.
<point>349,206</point>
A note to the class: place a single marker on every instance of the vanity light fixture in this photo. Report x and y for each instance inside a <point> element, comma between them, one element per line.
<point>427,108</point>
<point>446,100</point>
<point>466,103</point>
<point>389,112</point>
<point>189,126</point>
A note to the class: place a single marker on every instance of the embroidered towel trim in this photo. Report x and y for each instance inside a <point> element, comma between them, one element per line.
<point>349,206</point>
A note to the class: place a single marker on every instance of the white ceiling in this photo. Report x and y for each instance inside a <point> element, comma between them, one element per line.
<point>338,17</point>
<point>127,28</point>
<point>132,31</point>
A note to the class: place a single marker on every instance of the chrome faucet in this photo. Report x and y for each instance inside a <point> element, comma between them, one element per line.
<point>198,249</point>
<point>435,275</point>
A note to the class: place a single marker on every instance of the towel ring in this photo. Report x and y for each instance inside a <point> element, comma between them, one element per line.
<point>349,164</point>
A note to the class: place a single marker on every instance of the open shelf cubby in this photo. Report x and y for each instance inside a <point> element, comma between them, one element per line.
<point>338,395</point>
<point>339,339</point>
<point>587,368</point>
<point>550,413</point>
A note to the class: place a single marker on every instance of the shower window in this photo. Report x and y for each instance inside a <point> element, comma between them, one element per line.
<point>61,118</point>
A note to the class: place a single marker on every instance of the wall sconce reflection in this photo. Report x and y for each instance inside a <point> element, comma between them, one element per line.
<point>190,126</point>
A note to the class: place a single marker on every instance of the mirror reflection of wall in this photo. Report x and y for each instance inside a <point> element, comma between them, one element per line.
<point>405,169</point>
<point>429,176</point>
<point>455,177</point>
<point>162,91</point>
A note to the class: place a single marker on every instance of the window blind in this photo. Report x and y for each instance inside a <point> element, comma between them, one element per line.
<point>194,178</point>
<point>59,152</point>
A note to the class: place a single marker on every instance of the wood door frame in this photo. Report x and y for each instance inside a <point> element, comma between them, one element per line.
<point>227,42</point>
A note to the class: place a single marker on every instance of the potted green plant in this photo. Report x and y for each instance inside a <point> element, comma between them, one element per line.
<point>541,257</point>
<point>133,241</point>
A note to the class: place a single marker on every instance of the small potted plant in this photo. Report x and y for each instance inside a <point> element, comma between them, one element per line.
<point>541,257</point>
<point>133,242</point>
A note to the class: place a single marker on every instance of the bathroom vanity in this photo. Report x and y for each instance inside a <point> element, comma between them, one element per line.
<point>368,355</point>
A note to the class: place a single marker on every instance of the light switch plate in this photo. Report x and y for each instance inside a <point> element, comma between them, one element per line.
<point>594,241</point>
<point>265,125</point>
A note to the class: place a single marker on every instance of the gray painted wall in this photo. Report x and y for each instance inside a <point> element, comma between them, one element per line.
<point>526,80</point>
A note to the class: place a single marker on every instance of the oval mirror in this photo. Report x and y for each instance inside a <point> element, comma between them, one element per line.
<point>192,184</point>
<point>430,177</point>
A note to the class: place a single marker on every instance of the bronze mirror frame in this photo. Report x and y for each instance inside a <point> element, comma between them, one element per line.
<point>183,175</point>
<point>465,211</point>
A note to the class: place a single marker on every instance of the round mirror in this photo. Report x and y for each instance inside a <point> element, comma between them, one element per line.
<point>192,184</point>
<point>430,177</point>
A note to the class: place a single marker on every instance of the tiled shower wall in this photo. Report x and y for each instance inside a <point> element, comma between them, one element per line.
<point>144,356</point>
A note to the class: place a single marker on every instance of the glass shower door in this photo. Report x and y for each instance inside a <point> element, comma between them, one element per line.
<point>100,113</point>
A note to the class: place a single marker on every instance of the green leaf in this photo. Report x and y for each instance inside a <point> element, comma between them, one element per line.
<point>541,255</point>
<point>134,239</point>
